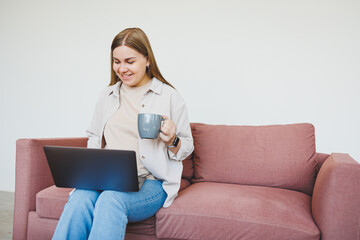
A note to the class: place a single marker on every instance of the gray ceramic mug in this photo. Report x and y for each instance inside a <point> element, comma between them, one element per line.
<point>149,125</point>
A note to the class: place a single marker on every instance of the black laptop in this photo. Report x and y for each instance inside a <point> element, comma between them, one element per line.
<point>94,169</point>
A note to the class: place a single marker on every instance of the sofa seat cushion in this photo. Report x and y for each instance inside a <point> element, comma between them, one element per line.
<point>50,201</point>
<point>229,211</point>
<point>146,227</point>
<point>44,228</point>
<point>273,156</point>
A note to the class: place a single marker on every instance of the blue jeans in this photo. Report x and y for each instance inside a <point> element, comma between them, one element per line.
<point>104,215</point>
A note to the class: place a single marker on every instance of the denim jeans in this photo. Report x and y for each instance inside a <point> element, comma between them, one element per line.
<point>104,215</point>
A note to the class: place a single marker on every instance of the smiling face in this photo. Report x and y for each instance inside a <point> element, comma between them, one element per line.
<point>130,66</point>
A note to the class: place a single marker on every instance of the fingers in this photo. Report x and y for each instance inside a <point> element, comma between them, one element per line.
<point>168,128</point>
<point>168,131</point>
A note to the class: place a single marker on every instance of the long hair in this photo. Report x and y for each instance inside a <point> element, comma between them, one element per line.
<point>136,39</point>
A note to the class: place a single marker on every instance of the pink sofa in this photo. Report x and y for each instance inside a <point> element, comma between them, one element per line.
<point>241,182</point>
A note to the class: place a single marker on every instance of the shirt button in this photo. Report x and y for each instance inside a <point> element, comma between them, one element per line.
<point>143,157</point>
<point>143,105</point>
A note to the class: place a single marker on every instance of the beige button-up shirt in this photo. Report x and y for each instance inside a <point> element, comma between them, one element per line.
<point>154,154</point>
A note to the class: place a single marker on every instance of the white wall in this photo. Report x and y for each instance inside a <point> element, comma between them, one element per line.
<point>247,62</point>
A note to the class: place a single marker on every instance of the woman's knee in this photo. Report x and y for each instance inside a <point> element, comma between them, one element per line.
<point>112,200</point>
<point>81,203</point>
<point>82,196</point>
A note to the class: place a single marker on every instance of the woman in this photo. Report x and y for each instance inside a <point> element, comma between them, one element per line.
<point>136,86</point>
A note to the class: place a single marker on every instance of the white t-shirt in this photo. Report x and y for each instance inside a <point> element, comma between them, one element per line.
<point>121,131</point>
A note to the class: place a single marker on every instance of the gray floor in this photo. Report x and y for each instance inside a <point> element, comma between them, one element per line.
<point>6,215</point>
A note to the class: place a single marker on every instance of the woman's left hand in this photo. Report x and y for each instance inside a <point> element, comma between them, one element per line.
<point>168,131</point>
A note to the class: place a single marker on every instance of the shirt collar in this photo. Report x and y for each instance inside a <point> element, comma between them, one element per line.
<point>156,87</point>
<point>115,89</point>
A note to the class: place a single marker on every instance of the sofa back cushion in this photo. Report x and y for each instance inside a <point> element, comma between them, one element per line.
<point>188,163</point>
<point>188,167</point>
<point>275,156</point>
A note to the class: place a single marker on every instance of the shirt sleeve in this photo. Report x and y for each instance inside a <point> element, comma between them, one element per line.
<point>179,116</point>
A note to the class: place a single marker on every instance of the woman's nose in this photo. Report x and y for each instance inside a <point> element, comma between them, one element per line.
<point>122,68</point>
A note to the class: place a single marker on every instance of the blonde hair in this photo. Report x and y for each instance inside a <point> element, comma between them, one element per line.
<point>136,39</point>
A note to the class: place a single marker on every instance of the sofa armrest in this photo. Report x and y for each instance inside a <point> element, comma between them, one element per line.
<point>336,198</point>
<point>32,174</point>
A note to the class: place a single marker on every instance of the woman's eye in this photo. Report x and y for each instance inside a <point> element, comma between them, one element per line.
<point>130,62</point>
<point>116,62</point>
